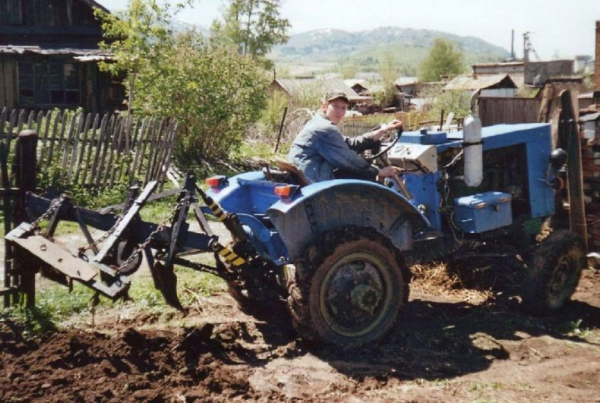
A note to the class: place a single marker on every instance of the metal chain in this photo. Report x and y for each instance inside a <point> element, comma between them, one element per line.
<point>103,237</point>
<point>185,202</point>
<point>54,206</point>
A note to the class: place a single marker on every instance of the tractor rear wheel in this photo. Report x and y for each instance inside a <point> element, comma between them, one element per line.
<point>349,289</point>
<point>554,272</point>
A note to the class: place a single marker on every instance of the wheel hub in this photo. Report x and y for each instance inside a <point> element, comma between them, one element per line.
<point>352,295</point>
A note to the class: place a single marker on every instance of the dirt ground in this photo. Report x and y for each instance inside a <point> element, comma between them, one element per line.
<point>445,347</point>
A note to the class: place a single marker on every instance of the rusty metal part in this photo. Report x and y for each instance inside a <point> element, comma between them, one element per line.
<point>55,256</point>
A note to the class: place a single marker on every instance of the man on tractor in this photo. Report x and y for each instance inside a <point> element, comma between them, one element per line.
<point>323,153</point>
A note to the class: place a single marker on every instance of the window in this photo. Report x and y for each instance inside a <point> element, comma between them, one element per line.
<point>10,12</point>
<point>51,12</point>
<point>55,82</point>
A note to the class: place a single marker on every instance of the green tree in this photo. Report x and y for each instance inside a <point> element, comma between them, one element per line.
<point>135,38</point>
<point>211,90</point>
<point>443,59</point>
<point>253,26</point>
<point>389,72</point>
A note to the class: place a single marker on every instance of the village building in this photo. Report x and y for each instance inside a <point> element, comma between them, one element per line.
<point>526,73</point>
<point>315,88</point>
<point>359,86</point>
<point>49,57</point>
<point>497,85</point>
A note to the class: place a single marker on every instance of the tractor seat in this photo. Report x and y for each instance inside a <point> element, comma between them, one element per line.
<point>297,175</point>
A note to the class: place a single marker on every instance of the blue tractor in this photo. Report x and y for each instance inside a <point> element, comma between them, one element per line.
<point>337,252</point>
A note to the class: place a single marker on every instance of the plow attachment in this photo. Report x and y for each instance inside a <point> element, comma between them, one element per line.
<point>107,263</point>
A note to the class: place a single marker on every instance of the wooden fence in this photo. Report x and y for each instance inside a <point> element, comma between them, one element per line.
<point>493,111</point>
<point>94,150</point>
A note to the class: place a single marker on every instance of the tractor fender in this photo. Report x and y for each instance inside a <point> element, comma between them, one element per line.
<point>321,207</point>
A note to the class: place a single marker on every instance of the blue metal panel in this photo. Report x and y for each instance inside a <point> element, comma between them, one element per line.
<point>267,243</point>
<point>424,190</point>
<point>420,138</point>
<point>483,212</point>
<point>323,206</point>
<point>247,193</point>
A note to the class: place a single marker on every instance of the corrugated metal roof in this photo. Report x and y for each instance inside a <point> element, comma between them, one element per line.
<point>402,81</point>
<point>352,82</point>
<point>295,87</point>
<point>10,49</point>
<point>507,64</point>
<point>470,83</point>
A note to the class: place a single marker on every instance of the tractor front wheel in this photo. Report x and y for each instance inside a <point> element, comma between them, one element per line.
<point>553,273</point>
<point>349,289</point>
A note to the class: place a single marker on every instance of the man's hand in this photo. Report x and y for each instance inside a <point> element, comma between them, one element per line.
<point>385,129</point>
<point>388,171</point>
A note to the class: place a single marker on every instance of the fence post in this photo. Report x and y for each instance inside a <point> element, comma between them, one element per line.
<point>24,170</point>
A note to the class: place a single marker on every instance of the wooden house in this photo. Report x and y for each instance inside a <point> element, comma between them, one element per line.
<point>49,57</point>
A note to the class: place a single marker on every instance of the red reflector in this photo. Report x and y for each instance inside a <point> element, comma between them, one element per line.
<point>283,191</point>
<point>215,181</point>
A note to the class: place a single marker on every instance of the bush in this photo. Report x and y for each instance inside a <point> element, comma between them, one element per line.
<point>212,92</point>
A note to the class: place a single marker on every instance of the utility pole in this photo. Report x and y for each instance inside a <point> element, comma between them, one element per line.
<point>526,47</point>
<point>512,46</point>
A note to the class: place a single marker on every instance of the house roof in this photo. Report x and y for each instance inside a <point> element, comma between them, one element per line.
<point>295,87</point>
<point>352,82</point>
<point>402,81</point>
<point>470,83</point>
<point>93,3</point>
<point>505,64</point>
<point>11,49</point>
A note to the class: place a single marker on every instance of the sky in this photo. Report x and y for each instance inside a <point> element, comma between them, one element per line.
<point>559,28</point>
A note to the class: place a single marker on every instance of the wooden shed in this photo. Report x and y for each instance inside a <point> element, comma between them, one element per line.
<point>49,57</point>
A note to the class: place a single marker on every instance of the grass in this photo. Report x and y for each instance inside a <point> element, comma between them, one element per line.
<point>55,304</point>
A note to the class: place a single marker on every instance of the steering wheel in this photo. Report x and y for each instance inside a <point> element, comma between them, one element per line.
<point>376,149</point>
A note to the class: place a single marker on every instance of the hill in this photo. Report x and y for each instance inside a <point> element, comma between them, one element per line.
<point>367,48</point>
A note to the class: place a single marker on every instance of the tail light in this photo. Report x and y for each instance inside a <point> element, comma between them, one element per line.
<point>285,191</point>
<point>217,182</point>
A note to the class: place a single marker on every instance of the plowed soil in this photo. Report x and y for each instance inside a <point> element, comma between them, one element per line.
<point>442,349</point>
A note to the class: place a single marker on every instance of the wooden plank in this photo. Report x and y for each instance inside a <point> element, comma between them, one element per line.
<point>76,144</point>
<point>44,138</point>
<point>164,149</point>
<point>167,161</point>
<point>16,121</point>
<point>30,121</point>
<point>6,206</point>
<point>56,257</point>
<point>117,166</point>
<point>138,145</point>
<point>570,132</point>
<point>98,149</point>
<point>105,149</point>
<point>79,154</point>
<point>67,148</point>
<point>154,150</point>
<point>111,152</point>
<point>144,143</point>
<point>90,149</point>
<point>38,124</point>
<point>55,132</point>
<point>131,154</point>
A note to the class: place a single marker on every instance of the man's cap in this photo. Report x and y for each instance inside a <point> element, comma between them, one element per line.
<point>331,95</point>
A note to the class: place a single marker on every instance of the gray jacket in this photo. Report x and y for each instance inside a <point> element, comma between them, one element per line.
<point>320,148</point>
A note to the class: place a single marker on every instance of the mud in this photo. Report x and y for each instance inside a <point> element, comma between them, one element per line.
<point>442,349</point>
